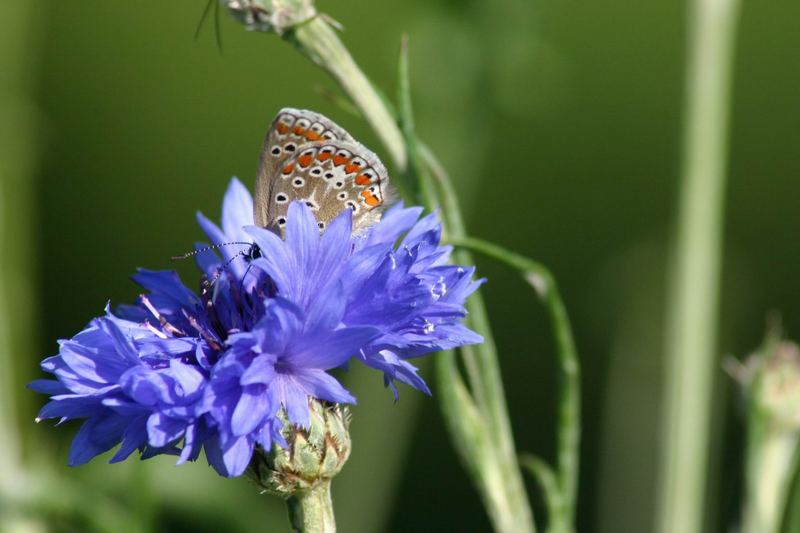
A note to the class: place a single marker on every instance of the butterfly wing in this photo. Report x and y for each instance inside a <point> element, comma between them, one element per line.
<point>308,157</point>
<point>291,130</point>
<point>329,176</point>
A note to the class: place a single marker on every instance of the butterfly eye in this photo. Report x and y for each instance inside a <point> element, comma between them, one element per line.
<point>276,150</point>
<point>298,182</point>
<point>290,147</point>
<point>281,198</point>
<point>342,195</point>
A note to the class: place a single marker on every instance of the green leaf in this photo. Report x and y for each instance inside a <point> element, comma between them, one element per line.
<point>416,174</point>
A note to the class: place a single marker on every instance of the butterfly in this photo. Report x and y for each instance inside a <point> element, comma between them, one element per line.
<point>309,158</point>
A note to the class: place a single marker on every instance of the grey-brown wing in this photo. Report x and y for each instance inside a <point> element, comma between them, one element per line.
<point>289,132</point>
<point>329,176</point>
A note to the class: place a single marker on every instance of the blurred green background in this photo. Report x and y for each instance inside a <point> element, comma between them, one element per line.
<point>560,123</point>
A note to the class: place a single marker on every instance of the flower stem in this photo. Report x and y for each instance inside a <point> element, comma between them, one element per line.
<point>492,460</point>
<point>506,500</point>
<point>311,511</point>
<point>693,300</point>
<point>507,504</point>
<point>318,41</point>
<point>561,505</point>
<point>19,38</point>
<point>771,462</point>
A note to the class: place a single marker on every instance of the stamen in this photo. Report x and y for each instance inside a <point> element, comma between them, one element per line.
<point>155,330</point>
<point>163,321</point>
<point>203,332</point>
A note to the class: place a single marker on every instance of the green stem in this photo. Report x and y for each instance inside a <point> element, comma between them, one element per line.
<point>506,501</point>
<point>692,312</point>
<point>540,278</point>
<point>499,480</point>
<point>311,511</point>
<point>19,37</point>
<point>771,462</point>
<point>483,371</point>
<point>542,472</point>
<point>319,42</point>
<point>417,174</point>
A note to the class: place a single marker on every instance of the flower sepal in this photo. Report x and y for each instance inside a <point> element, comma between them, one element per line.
<point>311,456</point>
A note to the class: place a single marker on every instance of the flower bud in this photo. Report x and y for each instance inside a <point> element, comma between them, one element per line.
<point>270,15</point>
<point>779,389</point>
<point>312,455</point>
<point>771,381</point>
<point>771,378</point>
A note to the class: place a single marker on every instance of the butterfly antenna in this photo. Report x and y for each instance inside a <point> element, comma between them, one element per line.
<point>209,248</point>
<point>218,274</point>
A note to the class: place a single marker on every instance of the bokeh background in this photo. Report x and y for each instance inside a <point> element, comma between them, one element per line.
<point>560,122</point>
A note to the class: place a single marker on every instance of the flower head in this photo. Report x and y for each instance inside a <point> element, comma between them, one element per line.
<point>133,384</point>
<point>227,369</point>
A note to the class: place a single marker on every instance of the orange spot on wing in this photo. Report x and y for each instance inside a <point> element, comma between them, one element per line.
<point>305,160</point>
<point>362,179</point>
<point>282,128</point>
<point>312,136</point>
<point>370,199</point>
<point>288,168</point>
<point>324,156</point>
<point>352,167</point>
<point>299,131</point>
<point>340,160</point>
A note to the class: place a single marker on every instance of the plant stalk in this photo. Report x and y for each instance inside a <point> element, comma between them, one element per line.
<point>771,462</point>
<point>483,371</point>
<point>318,41</point>
<point>498,477</point>
<point>506,501</point>
<point>311,511</point>
<point>692,313</point>
<point>19,40</point>
<point>562,505</point>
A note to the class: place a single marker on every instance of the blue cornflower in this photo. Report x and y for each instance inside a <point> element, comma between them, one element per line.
<point>179,372</point>
<point>405,291</point>
<point>135,383</point>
